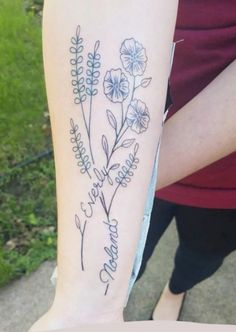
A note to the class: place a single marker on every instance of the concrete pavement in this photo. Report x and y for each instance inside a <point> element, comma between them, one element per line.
<point>212,301</point>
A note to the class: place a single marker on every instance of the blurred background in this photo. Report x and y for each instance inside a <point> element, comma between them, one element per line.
<point>28,204</point>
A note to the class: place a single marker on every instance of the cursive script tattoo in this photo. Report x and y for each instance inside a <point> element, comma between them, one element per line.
<point>106,274</point>
<point>100,176</point>
<point>120,87</point>
<point>122,179</point>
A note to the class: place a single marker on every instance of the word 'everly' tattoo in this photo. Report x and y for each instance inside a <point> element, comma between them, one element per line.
<point>120,87</point>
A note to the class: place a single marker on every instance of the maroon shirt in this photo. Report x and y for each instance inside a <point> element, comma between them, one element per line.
<point>208,28</point>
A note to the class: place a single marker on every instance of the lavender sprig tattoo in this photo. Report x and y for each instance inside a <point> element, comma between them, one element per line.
<point>79,149</point>
<point>85,88</point>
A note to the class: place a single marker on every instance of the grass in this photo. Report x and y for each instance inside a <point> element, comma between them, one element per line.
<point>28,228</point>
<point>22,93</point>
<point>35,6</point>
<point>27,194</point>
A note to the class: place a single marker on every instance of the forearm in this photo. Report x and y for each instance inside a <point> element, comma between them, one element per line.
<point>106,127</point>
<point>200,133</point>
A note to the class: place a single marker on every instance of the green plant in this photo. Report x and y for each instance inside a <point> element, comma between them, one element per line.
<point>22,92</point>
<point>27,194</point>
<point>27,220</point>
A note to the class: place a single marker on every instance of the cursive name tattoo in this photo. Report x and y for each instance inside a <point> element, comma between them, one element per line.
<point>109,268</point>
<point>95,192</point>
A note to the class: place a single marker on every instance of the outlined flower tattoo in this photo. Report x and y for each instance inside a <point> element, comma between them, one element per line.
<point>121,88</point>
<point>137,117</point>
<point>116,86</point>
<point>133,57</point>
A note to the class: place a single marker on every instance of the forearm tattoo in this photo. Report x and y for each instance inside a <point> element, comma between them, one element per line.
<point>120,86</point>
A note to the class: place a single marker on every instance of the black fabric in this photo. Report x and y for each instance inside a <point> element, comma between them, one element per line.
<point>162,215</point>
<point>207,231</point>
<point>169,101</point>
<point>192,268</point>
<point>206,237</point>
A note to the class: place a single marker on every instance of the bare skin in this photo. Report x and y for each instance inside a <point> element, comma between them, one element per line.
<point>168,306</point>
<point>200,133</point>
<point>110,123</point>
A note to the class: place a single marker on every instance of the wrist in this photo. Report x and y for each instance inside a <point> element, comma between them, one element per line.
<point>92,310</point>
<point>67,314</point>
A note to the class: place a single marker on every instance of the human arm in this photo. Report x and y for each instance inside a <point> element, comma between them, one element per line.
<point>201,132</point>
<point>105,139</point>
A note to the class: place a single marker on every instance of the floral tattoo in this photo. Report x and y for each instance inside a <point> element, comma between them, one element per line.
<point>120,87</point>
